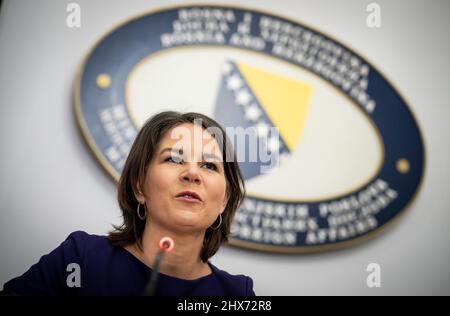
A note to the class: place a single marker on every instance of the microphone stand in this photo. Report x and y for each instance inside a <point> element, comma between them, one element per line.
<point>150,289</point>
<point>165,244</point>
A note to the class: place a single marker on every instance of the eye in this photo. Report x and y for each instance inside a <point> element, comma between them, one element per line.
<point>210,165</point>
<point>174,159</point>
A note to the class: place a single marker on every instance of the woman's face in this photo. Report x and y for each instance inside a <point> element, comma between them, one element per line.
<point>187,159</point>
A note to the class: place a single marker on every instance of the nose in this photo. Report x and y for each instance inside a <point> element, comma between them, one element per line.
<point>191,173</point>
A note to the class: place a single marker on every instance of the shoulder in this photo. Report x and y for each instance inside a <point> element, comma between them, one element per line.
<point>89,248</point>
<point>80,237</point>
<point>235,285</point>
<point>49,275</point>
<point>83,237</point>
<point>82,242</point>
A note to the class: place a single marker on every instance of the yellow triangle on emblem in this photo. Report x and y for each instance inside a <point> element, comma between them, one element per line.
<point>284,100</point>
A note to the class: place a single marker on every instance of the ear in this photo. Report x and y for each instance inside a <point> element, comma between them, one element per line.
<point>139,195</point>
<point>225,201</point>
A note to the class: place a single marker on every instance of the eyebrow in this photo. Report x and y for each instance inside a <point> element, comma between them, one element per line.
<point>180,151</point>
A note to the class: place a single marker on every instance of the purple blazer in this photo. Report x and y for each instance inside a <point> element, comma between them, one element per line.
<point>109,270</point>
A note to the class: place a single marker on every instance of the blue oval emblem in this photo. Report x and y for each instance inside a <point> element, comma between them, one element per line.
<point>351,153</point>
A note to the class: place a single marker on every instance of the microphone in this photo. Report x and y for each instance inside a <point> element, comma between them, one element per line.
<point>166,244</point>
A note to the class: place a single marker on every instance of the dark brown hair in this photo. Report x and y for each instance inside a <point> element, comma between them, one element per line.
<point>135,169</point>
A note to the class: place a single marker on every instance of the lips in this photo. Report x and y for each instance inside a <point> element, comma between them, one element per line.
<point>189,195</point>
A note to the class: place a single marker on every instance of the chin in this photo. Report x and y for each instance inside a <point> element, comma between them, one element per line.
<point>187,217</point>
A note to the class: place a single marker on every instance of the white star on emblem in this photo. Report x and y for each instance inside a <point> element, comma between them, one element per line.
<point>243,97</point>
<point>226,68</point>
<point>252,113</point>
<point>234,82</point>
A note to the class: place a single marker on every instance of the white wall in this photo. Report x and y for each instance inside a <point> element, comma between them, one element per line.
<point>51,185</point>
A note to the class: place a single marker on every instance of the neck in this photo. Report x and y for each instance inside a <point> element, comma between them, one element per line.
<point>183,261</point>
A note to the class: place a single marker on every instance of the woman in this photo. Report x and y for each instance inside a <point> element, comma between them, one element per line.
<point>181,180</point>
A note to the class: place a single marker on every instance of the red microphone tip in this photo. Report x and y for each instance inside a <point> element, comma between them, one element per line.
<point>167,244</point>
